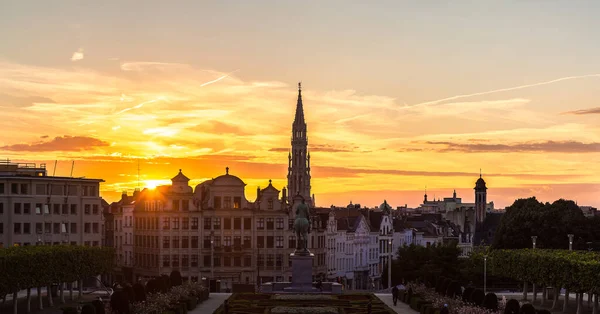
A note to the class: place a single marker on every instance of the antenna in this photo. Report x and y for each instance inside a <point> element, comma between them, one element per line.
<point>138,179</point>
<point>72,166</point>
<point>54,171</point>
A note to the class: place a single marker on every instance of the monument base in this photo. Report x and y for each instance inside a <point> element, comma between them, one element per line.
<point>302,274</point>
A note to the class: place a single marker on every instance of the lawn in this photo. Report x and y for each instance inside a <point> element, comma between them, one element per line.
<point>257,303</point>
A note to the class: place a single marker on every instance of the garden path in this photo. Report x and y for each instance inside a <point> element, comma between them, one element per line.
<point>209,306</point>
<point>401,307</point>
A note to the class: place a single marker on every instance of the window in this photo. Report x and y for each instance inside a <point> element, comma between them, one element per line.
<point>175,205</point>
<point>56,209</point>
<point>217,223</point>
<point>290,223</point>
<point>185,260</point>
<point>227,261</point>
<point>207,242</point>
<point>1,208</point>
<point>86,228</point>
<point>270,259</point>
<point>73,227</point>
<point>194,242</point>
<point>1,188</point>
<point>247,242</point>
<point>165,223</point>
<point>270,242</point>
<point>279,223</point>
<point>270,224</point>
<point>175,242</point>
<point>39,228</point>
<point>261,224</point>
<point>14,188</point>
<point>24,188</point>
<point>247,261</point>
<point>56,228</point>
<point>227,223</point>
<point>185,225</point>
<point>65,209</point>
<point>17,228</point>
<point>278,260</point>
<point>17,208</point>
<point>217,261</point>
<point>194,260</point>
<point>95,227</point>
<point>292,242</point>
<point>270,204</point>
<point>237,261</point>
<point>260,241</point>
<point>227,202</point>
<point>175,260</point>
<point>95,209</point>
<point>195,223</point>
<point>176,223</point>
<point>237,202</point>
<point>185,205</point>
<point>237,241</point>
<point>248,223</point>
<point>207,223</point>
<point>73,209</point>
<point>237,223</point>
<point>27,208</point>
<point>87,209</point>
<point>1,228</point>
<point>279,242</point>
<point>227,241</point>
<point>217,241</point>
<point>166,260</point>
<point>206,261</point>
<point>166,242</point>
<point>185,242</point>
<point>217,202</point>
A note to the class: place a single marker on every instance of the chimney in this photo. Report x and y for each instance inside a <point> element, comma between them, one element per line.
<point>123,195</point>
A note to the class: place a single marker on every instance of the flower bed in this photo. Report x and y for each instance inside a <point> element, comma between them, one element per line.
<point>426,298</point>
<point>303,310</point>
<point>178,300</point>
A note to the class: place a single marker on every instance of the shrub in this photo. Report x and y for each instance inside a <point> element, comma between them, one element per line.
<point>512,307</point>
<point>477,297</point>
<point>175,278</point>
<point>152,286</point>
<point>543,312</point>
<point>69,310</point>
<point>140,292</point>
<point>451,290</point>
<point>444,310</point>
<point>128,289</point>
<point>438,284</point>
<point>527,309</point>
<point>490,301</point>
<point>466,297</point>
<point>119,302</point>
<point>99,306</point>
<point>88,309</point>
<point>165,284</point>
<point>445,285</point>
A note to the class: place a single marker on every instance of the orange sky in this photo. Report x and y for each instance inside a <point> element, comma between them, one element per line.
<point>391,107</point>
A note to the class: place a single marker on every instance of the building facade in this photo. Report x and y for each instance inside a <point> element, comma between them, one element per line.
<point>37,209</point>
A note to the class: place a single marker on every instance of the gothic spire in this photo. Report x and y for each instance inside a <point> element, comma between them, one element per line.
<point>299,119</point>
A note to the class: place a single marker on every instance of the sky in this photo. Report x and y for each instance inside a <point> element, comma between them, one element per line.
<point>399,96</point>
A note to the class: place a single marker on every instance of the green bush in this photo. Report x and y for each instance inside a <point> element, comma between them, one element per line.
<point>88,309</point>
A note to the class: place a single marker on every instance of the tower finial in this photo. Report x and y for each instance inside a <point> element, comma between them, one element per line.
<point>480,172</point>
<point>300,86</point>
<point>226,170</point>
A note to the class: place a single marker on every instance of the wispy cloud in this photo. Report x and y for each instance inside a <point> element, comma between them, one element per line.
<point>77,55</point>
<point>545,146</point>
<point>433,102</point>
<point>218,79</point>
<point>61,143</point>
<point>584,111</point>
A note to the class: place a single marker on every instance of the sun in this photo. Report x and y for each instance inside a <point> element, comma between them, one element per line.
<point>152,184</point>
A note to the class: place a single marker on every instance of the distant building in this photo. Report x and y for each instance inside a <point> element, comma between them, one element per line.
<point>37,209</point>
<point>589,211</point>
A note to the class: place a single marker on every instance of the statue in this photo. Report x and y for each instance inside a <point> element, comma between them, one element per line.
<point>302,227</point>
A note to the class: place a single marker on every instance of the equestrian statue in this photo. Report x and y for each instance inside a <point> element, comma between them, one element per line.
<point>302,227</point>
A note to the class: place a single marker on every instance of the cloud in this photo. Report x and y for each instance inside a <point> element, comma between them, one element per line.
<point>320,148</point>
<point>23,101</point>
<point>59,143</point>
<point>546,146</point>
<point>77,55</point>
<point>584,111</point>
<point>142,66</point>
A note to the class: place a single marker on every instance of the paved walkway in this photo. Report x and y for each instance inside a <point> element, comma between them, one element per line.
<point>209,306</point>
<point>400,307</point>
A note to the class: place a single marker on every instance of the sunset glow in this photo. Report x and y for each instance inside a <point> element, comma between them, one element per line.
<point>395,119</point>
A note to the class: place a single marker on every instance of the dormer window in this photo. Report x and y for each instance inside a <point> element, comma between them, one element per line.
<point>270,203</point>
<point>237,202</point>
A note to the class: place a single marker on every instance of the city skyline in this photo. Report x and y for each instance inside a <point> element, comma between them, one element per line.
<point>387,115</point>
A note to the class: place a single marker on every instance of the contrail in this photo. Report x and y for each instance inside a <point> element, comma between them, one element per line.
<point>218,79</point>
<point>433,102</point>
<point>139,106</point>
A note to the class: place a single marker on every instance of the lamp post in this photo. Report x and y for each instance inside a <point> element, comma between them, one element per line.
<point>571,236</point>
<point>390,264</point>
<point>533,241</point>
<point>212,259</point>
<point>485,274</point>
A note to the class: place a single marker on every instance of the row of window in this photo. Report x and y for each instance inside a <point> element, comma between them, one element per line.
<point>86,243</point>
<point>48,189</point>
<point>48,227</point>
<point>176,260</point>
<point>57,209</point>
<point>210,223</point>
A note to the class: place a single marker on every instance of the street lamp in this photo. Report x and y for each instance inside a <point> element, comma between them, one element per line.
<point>570,235</point>
<point>534,240</point>
<point>390,264</point>
<point>589,244</point>
<point>485,274</point>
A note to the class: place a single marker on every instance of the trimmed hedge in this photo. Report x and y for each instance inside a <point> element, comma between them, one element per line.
<point>35,266</point>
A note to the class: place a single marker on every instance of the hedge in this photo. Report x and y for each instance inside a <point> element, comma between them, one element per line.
<point>34,266</point>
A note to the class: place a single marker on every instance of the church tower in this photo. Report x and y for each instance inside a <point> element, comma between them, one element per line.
<point>480,199</point>
<point>299,157</point>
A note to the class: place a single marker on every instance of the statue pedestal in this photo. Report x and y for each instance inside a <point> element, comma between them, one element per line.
<point>301,272</point>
